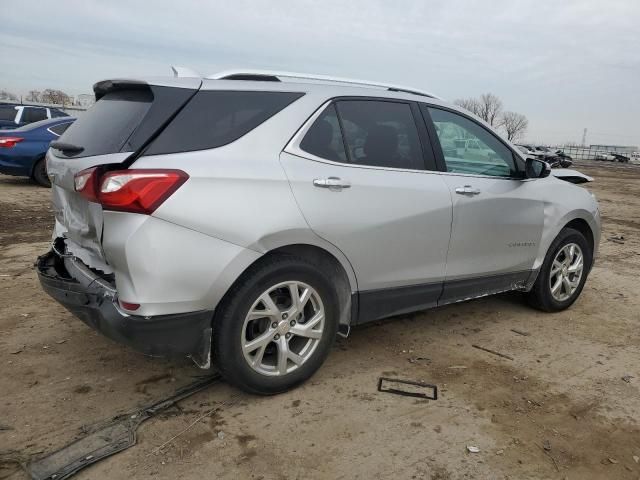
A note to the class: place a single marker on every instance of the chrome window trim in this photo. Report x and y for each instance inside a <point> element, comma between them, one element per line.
<point>293,148</point>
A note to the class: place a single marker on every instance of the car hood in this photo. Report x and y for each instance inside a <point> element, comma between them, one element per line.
<point>570,175</point>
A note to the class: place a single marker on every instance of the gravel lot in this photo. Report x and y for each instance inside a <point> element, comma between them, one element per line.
<point>564,389</point>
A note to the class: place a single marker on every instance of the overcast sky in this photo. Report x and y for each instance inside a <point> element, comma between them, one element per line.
<point>566,65</point>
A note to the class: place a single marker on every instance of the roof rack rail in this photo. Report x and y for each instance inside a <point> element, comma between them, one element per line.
<point>276,76</point>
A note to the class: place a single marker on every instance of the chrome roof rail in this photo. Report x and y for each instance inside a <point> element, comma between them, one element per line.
<point>273,75</point>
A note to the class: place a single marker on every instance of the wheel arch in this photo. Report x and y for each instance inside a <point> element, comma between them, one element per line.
<point>580,222</point>
<point>332,267</point>
<point>584,228</point>
<point>341,275</point>
<point>35,161</point>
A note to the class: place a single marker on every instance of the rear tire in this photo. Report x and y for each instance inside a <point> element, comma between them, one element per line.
<point>558,284</point>
<point>272,352</point>
<point>40,174</point>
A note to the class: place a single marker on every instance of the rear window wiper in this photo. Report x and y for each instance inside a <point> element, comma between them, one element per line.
<point>66,147</point>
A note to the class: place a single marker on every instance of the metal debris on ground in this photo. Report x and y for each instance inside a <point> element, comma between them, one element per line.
<point>616,239</point>
<point>636,458</point>
<point>420,360</point>
<point>473,449</point>
<point>546,445</point>
<point>430,394</point>
<point>627,378</point>
<point>493,352</point>
<point>106,439</point>
<point>520,332</point>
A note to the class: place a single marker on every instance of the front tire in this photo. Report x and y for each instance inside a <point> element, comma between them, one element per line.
<point>40,173</point>
<point>563,273</point>
<point>276,325</point>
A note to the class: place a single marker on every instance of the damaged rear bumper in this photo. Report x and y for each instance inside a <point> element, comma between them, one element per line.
<point>93,300</point>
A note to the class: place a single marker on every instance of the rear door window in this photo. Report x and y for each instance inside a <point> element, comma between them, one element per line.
<point>106,126</point>
<point>57,113</point>
<point>30,115</point>
<point>214,118</point>
<point>8,113</point>
<point>381,134</point>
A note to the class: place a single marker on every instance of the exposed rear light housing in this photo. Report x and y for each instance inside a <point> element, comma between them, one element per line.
<point>134,190</point>
<point>9,142</point>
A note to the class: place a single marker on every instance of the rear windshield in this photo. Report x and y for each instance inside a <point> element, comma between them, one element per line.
<point>214,118</point>
<point>7,113</point>
<point>106,126</point>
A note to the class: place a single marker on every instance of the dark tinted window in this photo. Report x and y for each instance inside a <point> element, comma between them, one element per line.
<point>30,115</point>
<point>106,126</point>
<point>60,129</point>
<point>57,113</point>
<point>8,113</point>
<point>324,138</point>
<point>382,134</point>
<point>471,148</point>
<point>215,118</point>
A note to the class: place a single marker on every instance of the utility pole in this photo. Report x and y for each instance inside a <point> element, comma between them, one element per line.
<point>584,137</point>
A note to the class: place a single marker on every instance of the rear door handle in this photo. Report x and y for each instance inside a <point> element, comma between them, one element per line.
<point>333,183</point>
<point>467,190</point>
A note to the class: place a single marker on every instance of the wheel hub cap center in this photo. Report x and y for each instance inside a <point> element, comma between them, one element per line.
<point>283,327</point>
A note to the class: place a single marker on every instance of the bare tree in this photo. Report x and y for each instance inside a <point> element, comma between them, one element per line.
<point>490,108</point>
<point>5,95</point>
<point>33,96</point>
<point>514,124</point>
<point>50,95</point>
<point>470,104</point>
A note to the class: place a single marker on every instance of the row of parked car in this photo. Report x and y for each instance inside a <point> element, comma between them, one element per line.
<point>25,134</point>
<point>555,159</point>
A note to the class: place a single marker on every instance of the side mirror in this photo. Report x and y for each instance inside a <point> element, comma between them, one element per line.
<point>535,168</point>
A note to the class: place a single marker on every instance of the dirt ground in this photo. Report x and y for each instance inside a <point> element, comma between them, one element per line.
<point>563,389</point>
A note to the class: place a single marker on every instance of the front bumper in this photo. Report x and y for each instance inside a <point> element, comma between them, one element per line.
<point>93,300</point>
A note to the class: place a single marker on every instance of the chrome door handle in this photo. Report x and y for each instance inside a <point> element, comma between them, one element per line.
<point>333,183</point>
<point>467,190</point>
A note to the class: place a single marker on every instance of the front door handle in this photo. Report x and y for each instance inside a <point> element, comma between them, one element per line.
<point>467,190</point>
<point>333,183</point>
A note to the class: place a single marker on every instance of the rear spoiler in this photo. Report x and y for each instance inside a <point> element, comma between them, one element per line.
<point>105,86</point>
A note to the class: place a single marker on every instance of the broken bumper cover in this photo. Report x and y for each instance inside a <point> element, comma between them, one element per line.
<point>93,300</point>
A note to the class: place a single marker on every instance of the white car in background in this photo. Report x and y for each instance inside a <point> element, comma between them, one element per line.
<point>607,157</point>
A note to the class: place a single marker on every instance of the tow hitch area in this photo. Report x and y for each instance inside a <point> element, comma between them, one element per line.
<point>108,438</point>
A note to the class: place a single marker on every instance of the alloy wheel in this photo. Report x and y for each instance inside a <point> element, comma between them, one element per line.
<point>566,272</point>
<point>283,328</point>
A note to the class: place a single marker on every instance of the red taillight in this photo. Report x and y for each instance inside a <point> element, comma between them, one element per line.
<point>129,306</point>
<point>136,191</point>
<point>9,142</point>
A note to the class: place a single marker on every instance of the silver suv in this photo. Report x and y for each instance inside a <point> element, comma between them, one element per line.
<point>252,216</point>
